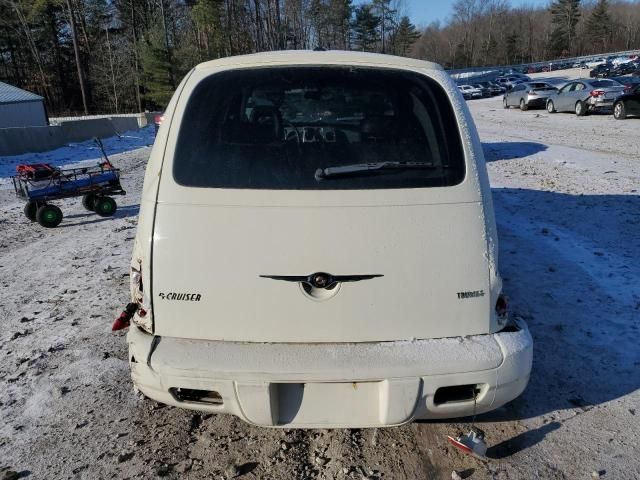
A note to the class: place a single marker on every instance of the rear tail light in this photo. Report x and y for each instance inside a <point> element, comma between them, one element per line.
<point>158,119</point>
<point>596,93</point>
<point>140,298</point>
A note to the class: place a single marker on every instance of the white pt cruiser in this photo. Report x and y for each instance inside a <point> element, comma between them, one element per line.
<point>316,247</point>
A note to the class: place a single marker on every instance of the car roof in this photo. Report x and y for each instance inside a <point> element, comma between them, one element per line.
<point>310,57</point>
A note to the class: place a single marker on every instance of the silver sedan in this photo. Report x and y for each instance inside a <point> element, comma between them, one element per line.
<point>583,96</point>
<point>528,94</point>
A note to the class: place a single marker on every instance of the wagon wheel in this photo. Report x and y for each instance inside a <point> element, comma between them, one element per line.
<point>49,216</point>
<point>30,210</point>
<point>105,206</point>
<point>88,201</point>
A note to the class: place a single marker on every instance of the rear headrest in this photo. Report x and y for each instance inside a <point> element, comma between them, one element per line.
<point>378,127</point>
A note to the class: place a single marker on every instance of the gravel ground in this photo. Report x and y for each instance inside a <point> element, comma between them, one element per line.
<point>568,211</point>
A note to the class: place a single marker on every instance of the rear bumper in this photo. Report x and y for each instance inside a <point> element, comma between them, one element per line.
<point>537,101</point>
<point>334,385</point>
<point>601,103</point>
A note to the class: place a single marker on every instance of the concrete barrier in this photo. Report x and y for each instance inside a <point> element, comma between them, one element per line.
<point>16,141</point>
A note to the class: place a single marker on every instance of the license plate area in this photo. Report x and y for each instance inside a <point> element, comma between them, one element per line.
<point>317,404</point>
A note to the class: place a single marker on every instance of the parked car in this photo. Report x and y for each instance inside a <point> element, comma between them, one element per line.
<point>510,81</point>
<point>528,94</point>
<point>494,88</point>
<point>486,91</point>
<point>157,121</point>
<point>623,69</point>
<point>594,63</point>
<point>584,96</point>
<point>316,248</point>
<point>465,95</point>
<point>603,70</point>
<point>627,81</point>
<point>627,104</point>
<point>470,90</point>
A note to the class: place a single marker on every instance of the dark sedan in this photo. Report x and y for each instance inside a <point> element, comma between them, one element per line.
<point>627,104</point>
<point>623,69</point>
<point>601,71</point>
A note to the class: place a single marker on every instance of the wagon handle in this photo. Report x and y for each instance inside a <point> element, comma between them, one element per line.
<point>104,154</point>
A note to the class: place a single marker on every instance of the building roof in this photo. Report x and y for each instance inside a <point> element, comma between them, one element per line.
<point>11,94</point>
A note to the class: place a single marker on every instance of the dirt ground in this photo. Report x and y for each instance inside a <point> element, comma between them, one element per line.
<point>566,197</point>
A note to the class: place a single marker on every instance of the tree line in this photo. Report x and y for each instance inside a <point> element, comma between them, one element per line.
<point>116,56</point>
<point>492,32</point>
<point>93,56</point>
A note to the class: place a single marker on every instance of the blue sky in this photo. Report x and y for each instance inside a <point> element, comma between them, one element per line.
<point>423,12</point>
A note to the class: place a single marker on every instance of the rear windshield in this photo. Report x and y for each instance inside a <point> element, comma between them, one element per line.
<point>275,128</point>
<point>605,83</point>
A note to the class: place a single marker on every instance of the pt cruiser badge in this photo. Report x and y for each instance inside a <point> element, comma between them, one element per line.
<point>185,297</point>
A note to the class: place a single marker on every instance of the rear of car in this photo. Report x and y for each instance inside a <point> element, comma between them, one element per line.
<point>537,93</point>
<point>472,91</point>
<point>316,248</point>
<point>602,93</point>
<point>484,89</point>
<point>465,94</point>
<point>583,96</point>
<point>529,95</point>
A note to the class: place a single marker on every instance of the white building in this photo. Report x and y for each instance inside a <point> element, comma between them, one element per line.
<point>19,108</point>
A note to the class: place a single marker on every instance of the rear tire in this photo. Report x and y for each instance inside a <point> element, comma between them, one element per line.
<point>105,206</point>
<point>88,201</point>
<point>619,112</point>
<point>49,216</point>
<point>550,107</point>
<point>504,103</point>
<point>581,108</point>
<point>31,209</point>
<point>523,106</point>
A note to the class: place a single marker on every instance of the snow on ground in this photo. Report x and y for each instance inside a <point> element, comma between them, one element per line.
<point>566,198</point>
<point>79,153</point>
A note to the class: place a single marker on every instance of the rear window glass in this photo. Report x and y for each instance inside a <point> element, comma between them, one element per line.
<point>318,128</point>
<point>604,83</point>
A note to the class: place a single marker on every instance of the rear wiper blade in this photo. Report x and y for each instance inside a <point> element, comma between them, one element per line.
<point>323,173</point>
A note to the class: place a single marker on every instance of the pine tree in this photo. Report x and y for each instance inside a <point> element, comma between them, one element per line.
<point>365,28</point>
<point>157,66</point>
<point>598,28</point>
<point>339,16</point>
<point>512,48</point>
<point>387,22</point>
<point>405,37</point>
<point>565,15</point>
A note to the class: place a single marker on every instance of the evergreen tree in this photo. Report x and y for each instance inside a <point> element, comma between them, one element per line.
<point>157,66</point>
<point>405,37</point>
<point>512,48</point>
<point>598,27</point>
<point>365,28</point>
<point>387,21</point>
<point>207,20</point>
<point>565,15</point>
<point>339,13</point>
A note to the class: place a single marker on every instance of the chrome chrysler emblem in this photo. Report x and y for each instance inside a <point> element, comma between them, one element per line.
<point>321,279</point>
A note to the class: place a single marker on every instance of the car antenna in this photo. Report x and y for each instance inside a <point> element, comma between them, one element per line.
<point>473,442</point>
